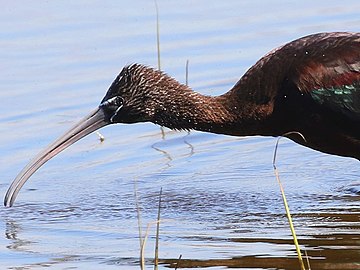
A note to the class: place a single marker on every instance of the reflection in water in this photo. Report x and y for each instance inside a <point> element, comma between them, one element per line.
<point>237,229</point>
<point>325,251</point>
<point>158,147</point>
<point>162,130</point>
<point>354,188</point>
<point>192,149</point>
<point>164,153</point>
<point>260,262</point>
<point>13,233</point>
<point>12,230</point>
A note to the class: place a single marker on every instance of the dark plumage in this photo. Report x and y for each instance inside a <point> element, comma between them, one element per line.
<point>310,86</point>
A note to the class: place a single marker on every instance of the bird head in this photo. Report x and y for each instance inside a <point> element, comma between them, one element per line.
<point>128,100</point>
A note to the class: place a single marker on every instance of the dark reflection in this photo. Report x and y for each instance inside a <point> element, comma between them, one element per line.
<point>62,261</point>
<point>12,230</point>
<point>353,189</point>
<point>128,261</point>
<point>191,147</point>
<point>164,153</point>
<point>163,134</point>
<point>157,146</point>
<point>325,252</point>
<point>260,262</point>
<point>329,227</point>
<point>335,250</point>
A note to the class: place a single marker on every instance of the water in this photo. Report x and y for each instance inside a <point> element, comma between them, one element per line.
<point>221,204</point>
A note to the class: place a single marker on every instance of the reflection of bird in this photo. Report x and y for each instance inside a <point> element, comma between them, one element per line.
<point>310,85</point>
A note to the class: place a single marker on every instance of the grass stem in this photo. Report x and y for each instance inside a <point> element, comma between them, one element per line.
<point>156,258</point>
<point>288,215</point>
<point>158,35</point>
<point>138,217</point>
<point>187,73</point>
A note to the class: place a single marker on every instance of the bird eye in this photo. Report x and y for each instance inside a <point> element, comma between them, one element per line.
<point>116,101</point>
<point>113,105</point>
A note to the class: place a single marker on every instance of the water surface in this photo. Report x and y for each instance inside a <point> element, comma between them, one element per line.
<point>221,205</point>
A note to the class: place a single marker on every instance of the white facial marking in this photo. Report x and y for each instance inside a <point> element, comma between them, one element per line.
<point>113,102</point>
<point>116,112</point>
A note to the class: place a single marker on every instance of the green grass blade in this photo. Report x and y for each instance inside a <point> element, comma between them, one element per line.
<point>287,210</point>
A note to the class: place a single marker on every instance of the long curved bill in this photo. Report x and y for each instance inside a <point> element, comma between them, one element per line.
<point>90,123</point>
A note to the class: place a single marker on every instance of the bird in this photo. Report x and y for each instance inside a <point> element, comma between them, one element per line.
<point>309,86</point>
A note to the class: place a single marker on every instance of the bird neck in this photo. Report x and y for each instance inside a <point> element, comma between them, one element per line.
<point>183,109</point>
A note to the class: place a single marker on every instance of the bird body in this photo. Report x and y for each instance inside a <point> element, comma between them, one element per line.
<point>309,86</point>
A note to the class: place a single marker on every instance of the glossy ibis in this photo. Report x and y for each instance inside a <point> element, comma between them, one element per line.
<point>310,85</point>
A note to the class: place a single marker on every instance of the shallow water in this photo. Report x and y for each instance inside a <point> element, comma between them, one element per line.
<point>221,205</point>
